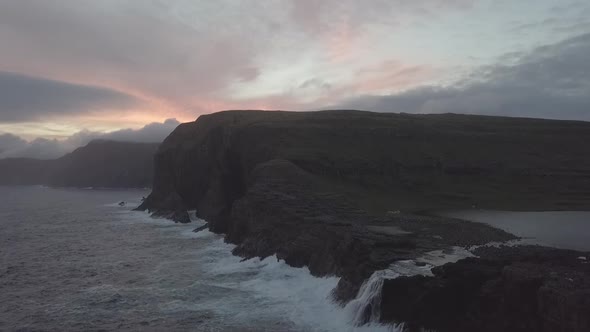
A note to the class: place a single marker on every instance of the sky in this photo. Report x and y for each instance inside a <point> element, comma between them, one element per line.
<point>75,70</point>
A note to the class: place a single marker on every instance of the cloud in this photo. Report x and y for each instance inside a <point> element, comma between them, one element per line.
<point>12,146</point>
<point>178,52</point>
<point>552,81</point>
<point>11,142</point>
<point>153,132</point>
<point>315,16</point>
<point>187,54</point>
<point>26,98</point>
<point>187,57</point>
<point>40,148</point>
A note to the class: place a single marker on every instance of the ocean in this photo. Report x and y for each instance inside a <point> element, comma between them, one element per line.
<point>558,229</point>
<point>73,260</point>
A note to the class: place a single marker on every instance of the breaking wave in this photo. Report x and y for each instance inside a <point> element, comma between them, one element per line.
<point>269,290</point>
<point>265,290</point>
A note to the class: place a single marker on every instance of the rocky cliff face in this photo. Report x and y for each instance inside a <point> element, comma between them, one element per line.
<point>98,164</point>
<point>107,164</point>
<point>25,171</point>
<point>338,191</point>
<point>506,289</point>
<point>391,161</point>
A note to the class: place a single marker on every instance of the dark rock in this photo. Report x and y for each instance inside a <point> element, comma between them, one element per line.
<point>315,190</point>
<point>201,228</point>
<point>508,289</point>
<point>180,217</point>
<point>175,209</point>
<point>383,162</point>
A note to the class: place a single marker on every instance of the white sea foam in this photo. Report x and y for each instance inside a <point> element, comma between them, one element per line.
<point>264,290</point>
<point>270,290</point>
<point>510,243</point>
<point>280,290</point>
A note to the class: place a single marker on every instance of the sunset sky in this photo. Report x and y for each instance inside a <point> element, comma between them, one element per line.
<point>71,70</point>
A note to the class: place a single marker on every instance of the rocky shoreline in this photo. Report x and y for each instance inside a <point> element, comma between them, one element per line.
<point>339,192</point>
<point>524,288</point>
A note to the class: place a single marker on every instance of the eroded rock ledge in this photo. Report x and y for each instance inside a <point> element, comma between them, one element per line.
<point>523,288</point>
<point>338,191</point>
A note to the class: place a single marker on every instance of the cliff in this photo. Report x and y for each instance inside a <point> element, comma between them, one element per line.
<point>25,171</point>
<point>384,161</point>
<point>505,289</point>
<point>341,191</point>
<point>99,164</point>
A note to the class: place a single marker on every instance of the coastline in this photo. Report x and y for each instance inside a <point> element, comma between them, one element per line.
<point>297,196</point>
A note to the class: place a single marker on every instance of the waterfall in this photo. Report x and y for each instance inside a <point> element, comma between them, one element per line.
<point>366,307</point>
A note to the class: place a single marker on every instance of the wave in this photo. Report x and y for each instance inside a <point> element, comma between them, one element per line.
<point>280,290</point>
<point>269,290</point>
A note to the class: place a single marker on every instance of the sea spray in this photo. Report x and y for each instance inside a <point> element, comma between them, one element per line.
<point>266,292</point>
<point>273,289</point>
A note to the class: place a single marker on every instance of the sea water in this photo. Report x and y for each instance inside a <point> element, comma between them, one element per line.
<point>75,260</point>
<point>559,229</point>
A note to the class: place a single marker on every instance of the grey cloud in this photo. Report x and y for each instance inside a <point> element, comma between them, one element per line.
<point>183,52</point>
<point>315,83</point>
<point>551,82</point>
<point>12,146</point>
<point>315,16</point>
<point>11,142</point>
<point>151,133</point>
<point>39,148</point>
<point>25,98</point>
<point>177,51</point>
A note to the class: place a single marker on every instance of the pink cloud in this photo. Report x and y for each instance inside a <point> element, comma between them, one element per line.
<point>183,66</point>
<point>391,76</point>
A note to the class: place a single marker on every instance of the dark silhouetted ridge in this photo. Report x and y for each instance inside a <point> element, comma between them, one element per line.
<point>101,163</point>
